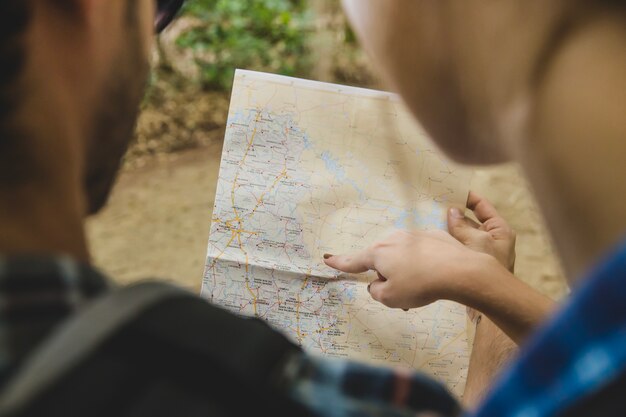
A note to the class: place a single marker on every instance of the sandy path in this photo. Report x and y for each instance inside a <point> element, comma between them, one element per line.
<point>157,222</point>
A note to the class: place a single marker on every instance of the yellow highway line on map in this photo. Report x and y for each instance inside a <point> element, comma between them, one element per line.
<point>260,199</point>
<point>304,284</point>
<point>232,237</point>
<point>243,161</point>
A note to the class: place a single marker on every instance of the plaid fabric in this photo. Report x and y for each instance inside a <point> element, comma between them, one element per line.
<point>576,365</point>
<point>36,294</point>
<point>338,388</point>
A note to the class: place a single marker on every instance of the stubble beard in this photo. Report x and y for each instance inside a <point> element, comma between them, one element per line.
<point>116,116</point>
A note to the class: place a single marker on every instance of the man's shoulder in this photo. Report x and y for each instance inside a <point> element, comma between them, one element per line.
<point>152,347</point>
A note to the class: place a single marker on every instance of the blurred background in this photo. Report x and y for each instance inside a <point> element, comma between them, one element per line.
<point>157,222</point>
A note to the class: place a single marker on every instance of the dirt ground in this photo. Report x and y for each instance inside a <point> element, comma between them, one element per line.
<point>158,219</point>
<point>157,222</point>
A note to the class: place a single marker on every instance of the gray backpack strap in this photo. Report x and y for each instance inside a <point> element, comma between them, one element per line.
<point>153,349</point>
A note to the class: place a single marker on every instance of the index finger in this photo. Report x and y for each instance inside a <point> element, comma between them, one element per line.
<point>481,207</point>
<point>356,263</point>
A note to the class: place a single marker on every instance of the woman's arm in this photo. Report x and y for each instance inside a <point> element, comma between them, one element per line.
<point>511,304</point>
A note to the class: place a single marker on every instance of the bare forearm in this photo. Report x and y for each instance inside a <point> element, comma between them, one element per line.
<point>511,304</point>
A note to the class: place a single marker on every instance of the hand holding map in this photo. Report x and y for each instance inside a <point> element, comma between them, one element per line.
<point>310,168</point>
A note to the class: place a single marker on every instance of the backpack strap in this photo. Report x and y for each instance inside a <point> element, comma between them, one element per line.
<point>154,349</point>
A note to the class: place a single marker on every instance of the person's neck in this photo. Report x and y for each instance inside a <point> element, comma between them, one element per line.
<point>42,220</point>
<point>43,205</point>
<point>574,152</point>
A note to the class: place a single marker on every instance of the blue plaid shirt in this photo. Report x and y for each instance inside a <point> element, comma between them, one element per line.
<point>574,366</point>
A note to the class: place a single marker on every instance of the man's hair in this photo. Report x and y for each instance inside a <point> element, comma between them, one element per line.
<point>14,19</point>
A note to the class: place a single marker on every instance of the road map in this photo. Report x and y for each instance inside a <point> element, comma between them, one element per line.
<point>310,168</point>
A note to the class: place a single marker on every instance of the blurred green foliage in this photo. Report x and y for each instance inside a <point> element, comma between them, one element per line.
<point>264,35</point>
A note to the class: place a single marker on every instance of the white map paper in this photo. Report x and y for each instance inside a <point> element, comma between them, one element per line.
<point>310,168</point>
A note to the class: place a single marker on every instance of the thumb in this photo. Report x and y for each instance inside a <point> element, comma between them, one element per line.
<point>461,227</point>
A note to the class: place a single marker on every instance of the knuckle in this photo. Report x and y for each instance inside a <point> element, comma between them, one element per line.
<point>379,294</point>
<point>377,247</point>
<point>455,226</point>
<point>399,236</point>
<point>384,298</point>
<point>492,223</point>
<point>485,237</point>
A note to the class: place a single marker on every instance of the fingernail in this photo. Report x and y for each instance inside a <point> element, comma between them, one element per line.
<point>327,256</point>
<point>455,212</point>
<point>368,287</point>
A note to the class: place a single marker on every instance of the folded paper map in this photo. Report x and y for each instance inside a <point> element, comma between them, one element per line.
<point>310,168</point>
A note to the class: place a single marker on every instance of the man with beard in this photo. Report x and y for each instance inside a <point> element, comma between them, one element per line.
<point>490,83</point>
